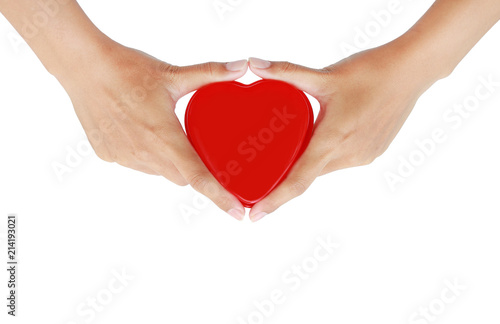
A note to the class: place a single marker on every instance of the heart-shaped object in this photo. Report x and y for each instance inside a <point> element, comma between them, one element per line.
<point>249,136</point>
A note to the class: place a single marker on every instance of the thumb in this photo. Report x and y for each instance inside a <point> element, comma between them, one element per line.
<point>193,77</point>
<point>310,80</point>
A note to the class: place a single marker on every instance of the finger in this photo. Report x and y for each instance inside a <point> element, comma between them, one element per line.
<point>301,176</point>
<point>191,167</point>
<point>336,165</point>
<point>168,170</point>
<point>310,80</point>
<point>193,77</point>
<point>146,158</point>
<point>139,167</point>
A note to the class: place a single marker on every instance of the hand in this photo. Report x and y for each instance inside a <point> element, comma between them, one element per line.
<point>125,101</point>
<point>365,99</point>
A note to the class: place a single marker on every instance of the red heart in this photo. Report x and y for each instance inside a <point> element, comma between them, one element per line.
<point>249,136</point>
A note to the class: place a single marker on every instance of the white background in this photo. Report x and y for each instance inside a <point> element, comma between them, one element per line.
<point>397,248</point>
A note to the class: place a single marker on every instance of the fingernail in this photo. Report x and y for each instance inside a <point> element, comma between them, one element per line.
<point>237,213</point>
<point>236,66</point>
<point>259,64</point>
<point>258,216</point>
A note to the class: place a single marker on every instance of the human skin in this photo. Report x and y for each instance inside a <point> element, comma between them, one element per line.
<point>366,98</point>
<point>124,98</point>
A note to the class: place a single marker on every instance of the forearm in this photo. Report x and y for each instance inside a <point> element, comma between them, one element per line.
<point>58,31</point>
<point>446,33</point>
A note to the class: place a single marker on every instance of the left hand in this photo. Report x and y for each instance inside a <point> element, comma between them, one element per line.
<point>365,99</point>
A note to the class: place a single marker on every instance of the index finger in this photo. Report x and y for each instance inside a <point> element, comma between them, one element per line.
<point>307,168</point>
<point>191,167</point>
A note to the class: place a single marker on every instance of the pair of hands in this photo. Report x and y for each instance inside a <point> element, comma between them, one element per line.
<point>125,101</point>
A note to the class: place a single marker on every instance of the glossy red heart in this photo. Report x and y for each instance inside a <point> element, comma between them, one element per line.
<point>249,136</point>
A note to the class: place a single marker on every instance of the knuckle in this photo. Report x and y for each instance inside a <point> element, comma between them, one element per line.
<point>96,140</point>
<point>371,159</point>
<point>381,150</point>
<point>287,67</point>
<point>199,182</point>
<point>121,160</point>
<point>106,126</point>
<point>164,139</point>
<point>169,73</point>
<point>154,135</point>
<point>168,171</point>
<point>177,179</point>
<point>171,80</point>
<point>212,189</point>
<point>209,68</point>
<point>120,110</point>
<point>358,160</point>
<point>224,202</point>
<point>142,155</point>
<point>104,155</point>
<point>298,185</point>
<point>166,69</point>
<point>325,84</point>
<point>365,162</point>
<point>322,152</point>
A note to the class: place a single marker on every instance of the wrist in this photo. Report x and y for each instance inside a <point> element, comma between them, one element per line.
<point>66,53</point>
<point>421,58</point>
<point>66,38</point>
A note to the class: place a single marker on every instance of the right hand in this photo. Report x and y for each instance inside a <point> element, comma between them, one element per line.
<point>125,100</point>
